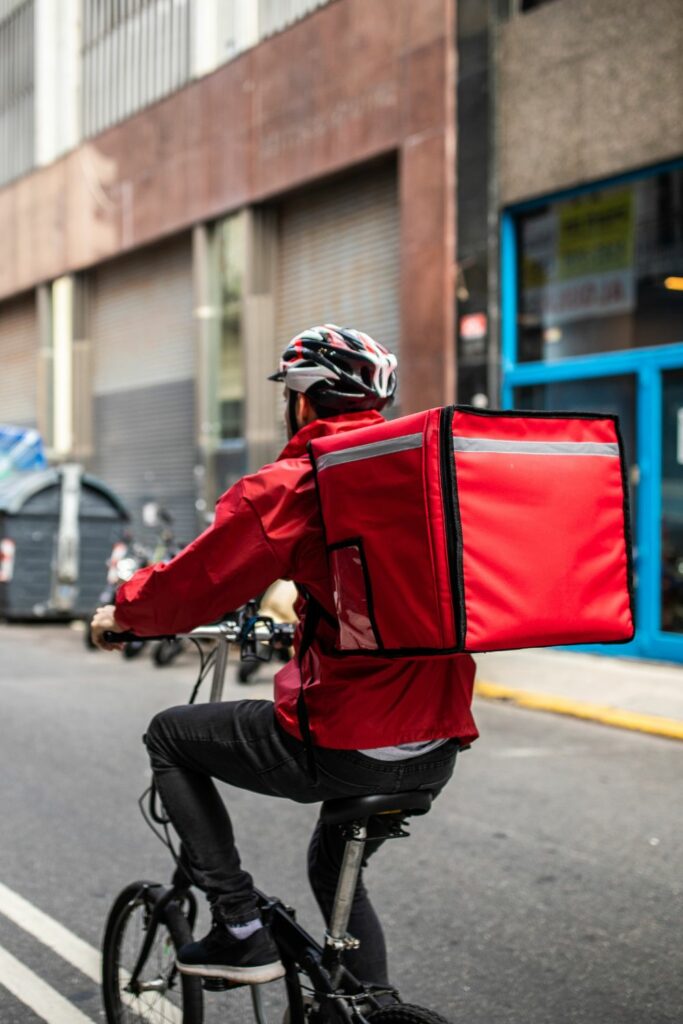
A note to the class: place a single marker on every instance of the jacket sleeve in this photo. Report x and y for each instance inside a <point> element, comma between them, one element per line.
<point>223,568</point>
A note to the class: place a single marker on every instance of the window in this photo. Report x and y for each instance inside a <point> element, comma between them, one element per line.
<point>602,270</point>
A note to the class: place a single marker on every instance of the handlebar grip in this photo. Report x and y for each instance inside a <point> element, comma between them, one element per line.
<point>128,637</point>
<point>110,637</point>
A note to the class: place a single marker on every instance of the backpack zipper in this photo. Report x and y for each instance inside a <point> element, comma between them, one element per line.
<point>449,491</point>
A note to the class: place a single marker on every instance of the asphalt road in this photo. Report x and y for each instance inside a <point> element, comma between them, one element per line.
<point>545,887</point>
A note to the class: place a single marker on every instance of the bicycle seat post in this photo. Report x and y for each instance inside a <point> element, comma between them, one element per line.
<point>336,938</point>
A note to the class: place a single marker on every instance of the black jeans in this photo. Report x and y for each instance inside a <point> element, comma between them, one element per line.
<point>242,744</point>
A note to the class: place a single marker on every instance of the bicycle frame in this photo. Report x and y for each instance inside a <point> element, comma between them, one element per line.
<point>337,993</point>
<point>340,995</point>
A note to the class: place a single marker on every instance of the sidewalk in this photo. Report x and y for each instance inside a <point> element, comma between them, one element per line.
<point>640,695</point>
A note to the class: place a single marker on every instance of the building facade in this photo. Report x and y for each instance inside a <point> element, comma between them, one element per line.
<point>571,247</point>
<point>184,184</point>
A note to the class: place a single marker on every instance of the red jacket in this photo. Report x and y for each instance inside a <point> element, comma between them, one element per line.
<point>267,527</point>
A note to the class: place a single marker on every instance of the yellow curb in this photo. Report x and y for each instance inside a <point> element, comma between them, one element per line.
<point>670,728</point>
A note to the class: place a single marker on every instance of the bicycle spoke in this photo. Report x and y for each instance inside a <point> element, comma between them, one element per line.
<point>148,1007</point>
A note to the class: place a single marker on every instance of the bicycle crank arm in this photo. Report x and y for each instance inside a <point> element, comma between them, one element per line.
<point>160,904</point>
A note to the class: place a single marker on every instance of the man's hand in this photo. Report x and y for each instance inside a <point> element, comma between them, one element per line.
<point>102,620</point>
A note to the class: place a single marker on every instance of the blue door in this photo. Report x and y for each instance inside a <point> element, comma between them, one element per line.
<point>592,320</point>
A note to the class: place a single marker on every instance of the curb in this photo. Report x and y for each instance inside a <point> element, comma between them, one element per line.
<point>617,718</point>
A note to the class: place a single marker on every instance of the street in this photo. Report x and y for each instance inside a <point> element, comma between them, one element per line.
<point>545,887</point>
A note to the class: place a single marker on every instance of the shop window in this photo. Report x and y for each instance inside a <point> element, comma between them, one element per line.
<point>602,271</point>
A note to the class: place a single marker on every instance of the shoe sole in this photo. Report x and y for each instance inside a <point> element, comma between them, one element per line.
<point>244,975</point>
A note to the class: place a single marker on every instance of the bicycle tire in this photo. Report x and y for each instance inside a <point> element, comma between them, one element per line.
<point>406,1013</point>
<point>122,1007</point>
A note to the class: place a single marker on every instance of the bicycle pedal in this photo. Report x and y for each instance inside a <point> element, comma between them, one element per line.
<point>218,984</point>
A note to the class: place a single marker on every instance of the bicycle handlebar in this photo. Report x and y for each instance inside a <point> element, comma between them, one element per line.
<point>256,628</point>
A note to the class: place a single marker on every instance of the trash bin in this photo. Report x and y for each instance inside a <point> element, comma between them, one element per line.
<point>57,529</point>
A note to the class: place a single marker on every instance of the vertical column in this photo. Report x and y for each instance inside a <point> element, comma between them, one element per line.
<point>57,77</point>
<point>82,371</point>
<point>262,404</point>
<point>427,201</point>
<point>220,30</point>
<point>208,340</point>
<point>648,518</point>
<point>45,411</point>
<point>501,342</point>
<point>64,377</point>
<point>62,353</point>
<point>204,36</point>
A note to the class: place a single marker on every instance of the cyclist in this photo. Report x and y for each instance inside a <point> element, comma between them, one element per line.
<point>376,725</point>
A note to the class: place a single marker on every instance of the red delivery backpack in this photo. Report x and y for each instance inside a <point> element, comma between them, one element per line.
<point>459,529</point>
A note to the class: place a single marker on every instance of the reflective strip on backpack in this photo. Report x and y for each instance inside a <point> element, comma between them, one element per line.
<point>370,451</point>
<point>483,444</point>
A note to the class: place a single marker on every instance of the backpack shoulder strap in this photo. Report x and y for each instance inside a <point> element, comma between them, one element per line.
<point>314,612</point>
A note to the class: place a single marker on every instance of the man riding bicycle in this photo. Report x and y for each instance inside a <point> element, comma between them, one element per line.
<point>371,724</point>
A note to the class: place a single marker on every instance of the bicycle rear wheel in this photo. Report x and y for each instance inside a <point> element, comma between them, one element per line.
<point>406,1013</point>
<point>165,996</point>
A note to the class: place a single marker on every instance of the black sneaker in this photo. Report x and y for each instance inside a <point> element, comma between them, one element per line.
<point>250,961</point>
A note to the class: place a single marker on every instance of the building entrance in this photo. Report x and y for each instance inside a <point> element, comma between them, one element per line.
<point>645,389</point>
<point>592,320</point>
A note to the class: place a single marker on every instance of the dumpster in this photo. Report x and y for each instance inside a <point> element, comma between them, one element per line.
<point>21,448</point>
<point>57,529</point>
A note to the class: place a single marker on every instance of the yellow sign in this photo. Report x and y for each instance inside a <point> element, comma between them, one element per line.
<point>595,235</point>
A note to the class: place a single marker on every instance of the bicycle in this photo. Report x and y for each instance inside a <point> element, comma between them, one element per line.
<point>148,921</point>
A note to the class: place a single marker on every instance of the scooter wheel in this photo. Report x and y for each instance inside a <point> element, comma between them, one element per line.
<point>133,649</point>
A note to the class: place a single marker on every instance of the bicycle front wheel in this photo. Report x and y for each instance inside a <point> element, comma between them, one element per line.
<point>162,995</point>
<point>406,1013</point>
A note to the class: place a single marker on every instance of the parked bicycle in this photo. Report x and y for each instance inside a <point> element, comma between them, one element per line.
<point>149,921</point>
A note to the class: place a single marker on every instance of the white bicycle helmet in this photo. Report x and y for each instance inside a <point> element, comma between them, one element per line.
<point>339,368</point>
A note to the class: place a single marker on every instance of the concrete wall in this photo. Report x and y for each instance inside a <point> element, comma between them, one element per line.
<point>588,88</point>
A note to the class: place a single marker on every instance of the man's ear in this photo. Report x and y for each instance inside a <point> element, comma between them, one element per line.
<point>305,413</point>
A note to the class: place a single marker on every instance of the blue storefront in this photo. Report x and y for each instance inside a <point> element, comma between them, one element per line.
<point>592,320</point>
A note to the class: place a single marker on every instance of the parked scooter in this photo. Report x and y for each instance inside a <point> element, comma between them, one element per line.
<point>127,556</point>
<point>125,559</point>
<point>157,517</point>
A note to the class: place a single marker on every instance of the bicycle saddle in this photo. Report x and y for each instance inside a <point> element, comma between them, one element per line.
<point>353,808</point>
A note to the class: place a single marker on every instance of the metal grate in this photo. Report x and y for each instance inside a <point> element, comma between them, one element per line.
<point>16,89</point>
<point>133,53</point>
<point>338,261</point>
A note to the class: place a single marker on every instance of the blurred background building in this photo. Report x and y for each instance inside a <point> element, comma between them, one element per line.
<point>494,188</point>
<point>189,182</point>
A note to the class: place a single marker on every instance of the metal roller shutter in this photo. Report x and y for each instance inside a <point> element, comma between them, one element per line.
<point>18,361</point>
<point>141,318</point>
<point>142,330</point>
<point>338,259</point>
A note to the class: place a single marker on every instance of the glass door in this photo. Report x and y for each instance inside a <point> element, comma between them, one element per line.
<point>671,592</point>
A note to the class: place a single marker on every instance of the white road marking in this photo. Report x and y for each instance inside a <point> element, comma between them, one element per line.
<point>33,992</point>
<point>51,933</point>
<point>84,957</point>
